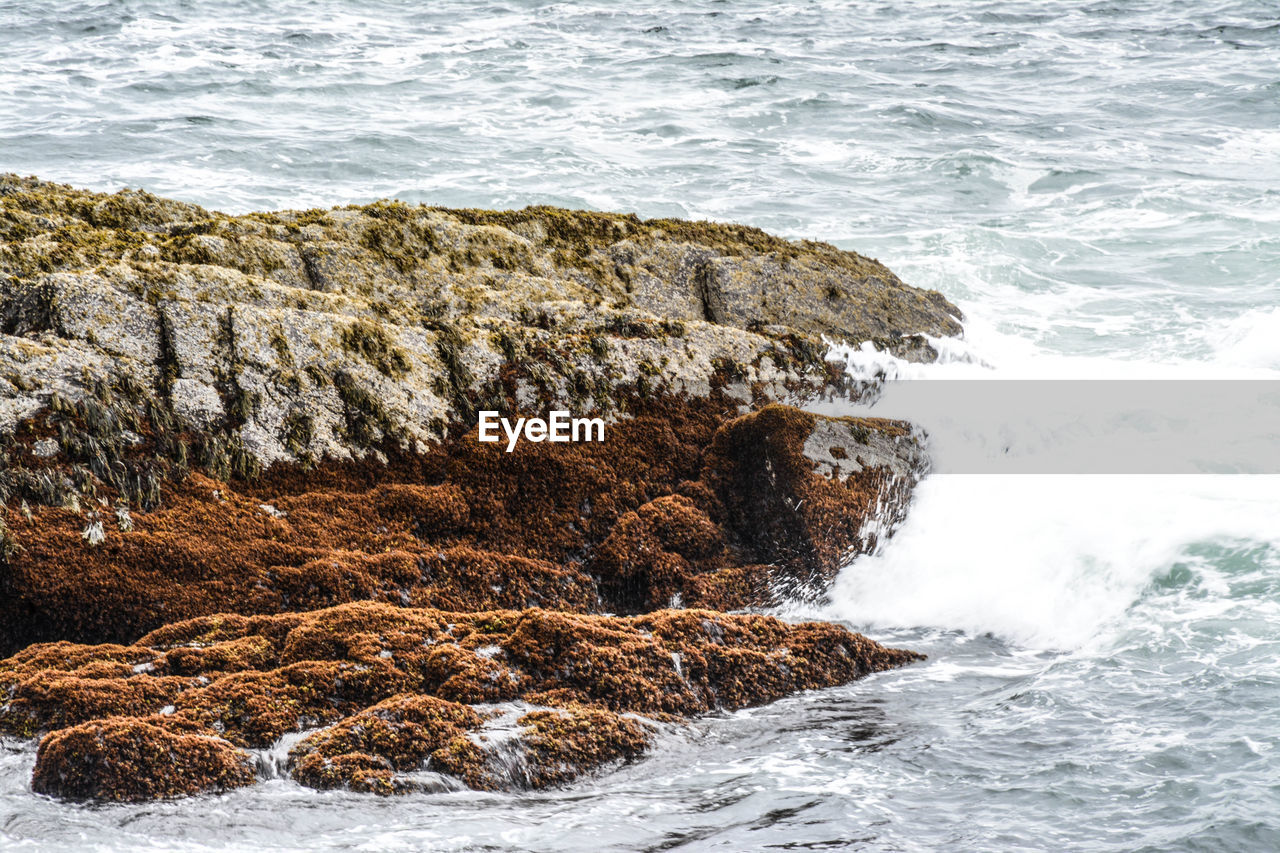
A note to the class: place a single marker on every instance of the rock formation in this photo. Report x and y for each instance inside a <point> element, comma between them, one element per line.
<point>244,495</point>
<point>399,689</point>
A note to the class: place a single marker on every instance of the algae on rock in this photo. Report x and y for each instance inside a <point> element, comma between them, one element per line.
<point>401,690</point>
<point>252,440</point>
<point>390,322</point>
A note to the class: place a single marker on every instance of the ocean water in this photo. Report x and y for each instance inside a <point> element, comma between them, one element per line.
<point>1097,185</point>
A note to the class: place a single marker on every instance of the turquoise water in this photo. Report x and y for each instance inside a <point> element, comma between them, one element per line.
<point>1097,185</point>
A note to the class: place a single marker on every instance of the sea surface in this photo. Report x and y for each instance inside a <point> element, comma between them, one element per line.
<point>1097,185</point>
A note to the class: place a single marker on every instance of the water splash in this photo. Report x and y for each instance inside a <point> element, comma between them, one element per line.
<point>1043,561</point>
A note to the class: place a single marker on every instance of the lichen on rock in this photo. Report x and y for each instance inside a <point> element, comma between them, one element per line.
<point>298,335</point>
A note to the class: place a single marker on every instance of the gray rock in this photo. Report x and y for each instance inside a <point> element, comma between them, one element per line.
<point>315,334</point>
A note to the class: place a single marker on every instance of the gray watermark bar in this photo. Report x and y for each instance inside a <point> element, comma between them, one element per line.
<point>1123,426</point>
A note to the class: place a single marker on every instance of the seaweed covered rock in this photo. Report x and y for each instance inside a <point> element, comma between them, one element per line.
<point>798,489</point>
<point>132,759</point>
<point>414,742</point>
<point>366,751</point>
<point>521,747</point>
<point>243,494</point>
<point>559,743</point>
<point>406,690</point>
<point>275,412</point>
<point>690,505</point>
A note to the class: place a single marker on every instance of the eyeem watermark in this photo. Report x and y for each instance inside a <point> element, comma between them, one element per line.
<point>560,426</point>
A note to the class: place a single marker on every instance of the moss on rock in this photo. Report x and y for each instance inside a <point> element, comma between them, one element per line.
<point>314,334</point>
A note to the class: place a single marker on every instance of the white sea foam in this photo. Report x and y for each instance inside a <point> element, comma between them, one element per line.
<point>1251,340</point>
<point>1045,561</point>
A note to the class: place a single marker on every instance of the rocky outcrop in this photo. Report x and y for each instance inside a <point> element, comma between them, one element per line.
<point>319,334</point>
<point>490,700</point>
<point>239,433</point>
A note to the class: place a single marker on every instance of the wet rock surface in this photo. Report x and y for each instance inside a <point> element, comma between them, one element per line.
<point>128,759</point>
<point>244,495</point>
<point>400,690</point>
